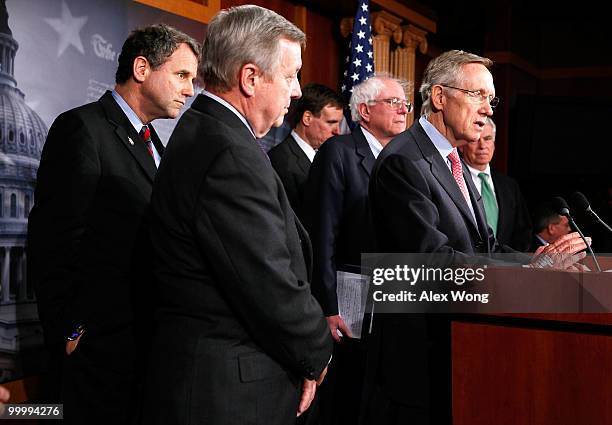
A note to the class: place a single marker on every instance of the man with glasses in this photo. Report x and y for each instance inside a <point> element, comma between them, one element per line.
<point>337,220</point>
<point>423,201</point>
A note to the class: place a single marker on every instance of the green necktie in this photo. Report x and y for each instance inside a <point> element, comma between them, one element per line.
<point>490,205</point>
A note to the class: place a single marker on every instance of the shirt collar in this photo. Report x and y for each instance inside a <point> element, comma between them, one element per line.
<point>128,111</point>
<point>231,108</point>
<point>440,142</point>
<point>541,239</point>
<point>474,172</point>
<point>375,145</point>
<point>308,150</point>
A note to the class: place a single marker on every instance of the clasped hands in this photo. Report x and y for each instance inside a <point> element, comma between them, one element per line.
<point>563,254</point>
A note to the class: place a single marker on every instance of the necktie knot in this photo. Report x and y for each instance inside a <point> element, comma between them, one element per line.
<point>145,133</point>
<point>453,157</point>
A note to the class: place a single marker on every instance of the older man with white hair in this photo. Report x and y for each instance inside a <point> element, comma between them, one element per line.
<point>335,205</point>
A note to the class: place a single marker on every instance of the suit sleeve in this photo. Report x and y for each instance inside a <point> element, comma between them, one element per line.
<point>324,204</point>
<point>241,227</point>
<point>399,186</point>
<point>67,178</point>
<point>404,215</point>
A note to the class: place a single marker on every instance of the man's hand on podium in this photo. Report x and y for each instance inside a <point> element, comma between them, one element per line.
<point>563,254</point>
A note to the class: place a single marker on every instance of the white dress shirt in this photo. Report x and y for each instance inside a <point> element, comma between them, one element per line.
<point>308,150</point>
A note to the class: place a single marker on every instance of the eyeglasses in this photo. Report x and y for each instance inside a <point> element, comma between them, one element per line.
<point>395,103</point>
<point>477,96</point>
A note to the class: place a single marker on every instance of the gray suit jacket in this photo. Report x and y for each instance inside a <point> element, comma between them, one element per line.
<point>238,327</point>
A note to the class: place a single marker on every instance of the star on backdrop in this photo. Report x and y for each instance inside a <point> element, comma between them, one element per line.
<point>68,27</point>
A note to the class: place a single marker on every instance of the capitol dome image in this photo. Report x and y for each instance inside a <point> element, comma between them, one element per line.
<point>22,135</point>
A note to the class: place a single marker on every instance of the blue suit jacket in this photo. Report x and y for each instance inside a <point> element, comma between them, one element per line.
<point>336,214</point>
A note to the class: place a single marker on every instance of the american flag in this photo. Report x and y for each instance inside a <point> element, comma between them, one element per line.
<point>360,60</point>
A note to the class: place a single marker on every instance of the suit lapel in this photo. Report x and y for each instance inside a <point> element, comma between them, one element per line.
<point>444,176</point>
<point>127,135</point>
<point>363,150</point>
<point>301,159</point>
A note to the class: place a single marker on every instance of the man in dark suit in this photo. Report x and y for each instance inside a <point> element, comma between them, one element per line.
<point>337,188</point>
<point>505,208</point>
<point>337,220</point>
<point>240,338</point>
<point>88,256</point>
<point>424,201</point>
<point>315,117</point>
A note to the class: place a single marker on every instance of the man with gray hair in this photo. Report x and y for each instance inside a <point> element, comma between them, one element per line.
<point>336,214</point>
<point>423,201</point>
<point>505,208</point>
<point>240,339</point>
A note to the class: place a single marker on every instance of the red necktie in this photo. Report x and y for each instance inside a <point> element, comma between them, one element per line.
<point>453,157</point>
<point>145,133</point>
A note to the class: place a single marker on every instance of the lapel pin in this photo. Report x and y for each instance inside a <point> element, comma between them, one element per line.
<point>131,141</point>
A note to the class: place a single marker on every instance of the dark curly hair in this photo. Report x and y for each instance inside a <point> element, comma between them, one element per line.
<point>154,42</point>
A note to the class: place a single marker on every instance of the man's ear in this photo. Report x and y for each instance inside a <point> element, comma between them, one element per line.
<point>306,118</point>
<point>249,78</point>
<point>438,98</point>
<point>141,69</point>
<point>364,112</point>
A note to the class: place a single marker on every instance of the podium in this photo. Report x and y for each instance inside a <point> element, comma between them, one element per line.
<point>535,368</point>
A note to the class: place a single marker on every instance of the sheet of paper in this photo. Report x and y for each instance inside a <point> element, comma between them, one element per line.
<point>352,290</point>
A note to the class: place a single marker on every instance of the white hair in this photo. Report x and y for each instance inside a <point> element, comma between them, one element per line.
<point>369,90</point>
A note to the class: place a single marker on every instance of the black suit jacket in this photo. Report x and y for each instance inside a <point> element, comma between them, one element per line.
<point>85,231</point>
<point>514,223</point>
<point>88,255</point>
<point>336,212</point>
<point>292,165</point>
<point>237,325</point>
<point>417,207</point>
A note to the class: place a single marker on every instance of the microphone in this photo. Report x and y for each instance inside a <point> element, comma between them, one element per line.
<point>580,202</point>
<point>563,209</point>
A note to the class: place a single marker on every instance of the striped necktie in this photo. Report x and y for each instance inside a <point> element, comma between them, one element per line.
<point>457,170</point>
<point>145,133</point>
